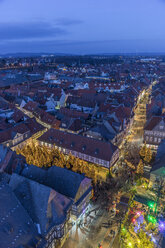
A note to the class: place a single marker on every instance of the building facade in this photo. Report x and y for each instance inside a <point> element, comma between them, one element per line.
<point>154,131</point>
<point>104,154</point>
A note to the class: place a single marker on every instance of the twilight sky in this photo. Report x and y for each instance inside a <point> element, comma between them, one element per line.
<point>82,26</point>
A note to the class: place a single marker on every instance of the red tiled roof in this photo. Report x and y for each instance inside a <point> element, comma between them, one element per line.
<point>31,106</point>
<point>105,107</point>
<point>51,120</point>
<point>122,112</point>
<point>34,126</point>
<point>153,122</point>
<point>85,145</point>
<point>80,101</point>
<point>76,125</point>
<point>47,118</point>
<point>6,161</point>
<point>7,135</point>
<point>18,115</point>
<point>21,128</point>
<point>73,113</point>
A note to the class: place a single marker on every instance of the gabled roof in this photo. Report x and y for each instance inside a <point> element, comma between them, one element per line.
<point>76,125</point>
<point>65,181</point>
<point>61,180</point>
<point>29,126</point>
<point>45,206</point>
<point>80,101</point>
<point>159,164</point>
<point>18,115</point>
<point>8,157</point>
<point>33,125</point>
<point>21,128</point>
<point>73,113</point>
<point>31,106</point>
<point>103,132</point>
<point>82,144</point>
<point>153,122</point>
<point>16,226</point>
<point>47,118</point>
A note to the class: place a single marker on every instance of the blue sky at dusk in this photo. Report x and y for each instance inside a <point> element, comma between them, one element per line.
<point>88,26</point>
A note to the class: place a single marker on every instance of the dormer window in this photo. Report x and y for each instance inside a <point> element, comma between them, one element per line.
<point>72,144</point>
<point>84,147</point>
<point>96,151</point>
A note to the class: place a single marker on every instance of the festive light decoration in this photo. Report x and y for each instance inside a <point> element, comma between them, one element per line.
<point>130,244</point>
<point>133,220</point>
<point>162,225</point>
<point>140,168</point>
<point>148,155</point>
<point>153,239</point>
<point>138,213</point>
<point>130,164</point>
<point>151,204</point>
<point>151,219</point>
<point>143,151</point>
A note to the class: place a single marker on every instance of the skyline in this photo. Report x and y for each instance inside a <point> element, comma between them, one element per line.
<point>82,27</point>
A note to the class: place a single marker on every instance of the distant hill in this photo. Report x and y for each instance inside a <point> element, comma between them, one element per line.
<point>22,55</point>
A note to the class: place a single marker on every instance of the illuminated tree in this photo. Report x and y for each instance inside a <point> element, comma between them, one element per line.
<point>132,154</point>
<point>68,165</point>
<point>148,155</point>
<point>130,164</point>
<point>93,175</point>
<point>18,151</point>
<point>82,168</point>
<point>41,160</point>
<point>42,156</point>
<point>76,164</point>
<point>143,151</point>
<point>71,161</point>
<point>140,168</point>
<point>55,153</point>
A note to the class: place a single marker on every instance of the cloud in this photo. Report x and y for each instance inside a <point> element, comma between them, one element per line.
<point>84,47</point>
<point>67,22</point>
<point>32,30</point>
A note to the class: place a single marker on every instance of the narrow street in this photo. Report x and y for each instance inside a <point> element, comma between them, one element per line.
<point>135,133</point>
<point>136,130</point>
<point>92,231</point>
